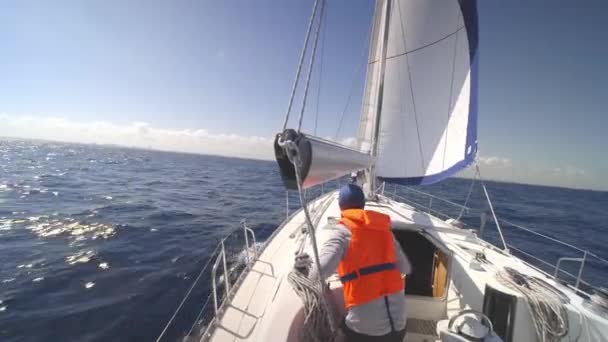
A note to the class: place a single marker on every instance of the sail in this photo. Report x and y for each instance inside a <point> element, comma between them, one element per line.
<point>424,97</point>
<point>368,107</point>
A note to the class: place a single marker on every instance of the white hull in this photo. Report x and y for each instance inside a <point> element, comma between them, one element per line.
<point>262,306</point>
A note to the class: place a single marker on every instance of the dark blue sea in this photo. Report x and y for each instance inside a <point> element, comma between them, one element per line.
<point>101,243</point>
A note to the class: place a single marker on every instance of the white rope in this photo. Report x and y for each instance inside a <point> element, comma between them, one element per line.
<point>302,55</point>
<point>316,326</point>
<point>546,304</point>
<point>599,300</point>
<point>318,323</point>
<point>310,67</point>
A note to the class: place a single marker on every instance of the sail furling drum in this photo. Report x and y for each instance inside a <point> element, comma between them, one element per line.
<point>318,160</point>
<point>419,114</point>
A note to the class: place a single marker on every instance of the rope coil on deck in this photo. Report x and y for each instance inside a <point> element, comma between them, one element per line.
<point>316,327</point>
<point>546,304</point>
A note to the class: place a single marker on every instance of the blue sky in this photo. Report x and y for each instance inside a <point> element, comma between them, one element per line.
<point>106,71</point>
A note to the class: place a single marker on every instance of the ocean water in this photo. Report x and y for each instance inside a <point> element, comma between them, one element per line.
<point>101,243</point>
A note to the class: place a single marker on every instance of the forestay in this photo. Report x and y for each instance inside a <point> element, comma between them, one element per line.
<point>424,97</point>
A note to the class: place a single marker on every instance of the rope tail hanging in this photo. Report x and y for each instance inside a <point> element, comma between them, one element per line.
<point>318,321</point>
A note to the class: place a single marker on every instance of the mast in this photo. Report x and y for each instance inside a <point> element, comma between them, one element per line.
<point>371,172</point>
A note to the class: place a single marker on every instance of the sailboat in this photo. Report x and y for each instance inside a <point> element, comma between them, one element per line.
<point>418,126</point>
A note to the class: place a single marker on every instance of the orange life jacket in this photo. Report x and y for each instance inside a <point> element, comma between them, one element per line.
<point>368,270</point>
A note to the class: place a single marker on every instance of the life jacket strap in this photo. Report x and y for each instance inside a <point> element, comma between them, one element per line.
<point>367,270</point>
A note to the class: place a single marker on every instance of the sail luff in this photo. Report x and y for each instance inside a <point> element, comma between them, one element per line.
<point>380,93</point>
<point>368,106</point>
<point>382,67</point>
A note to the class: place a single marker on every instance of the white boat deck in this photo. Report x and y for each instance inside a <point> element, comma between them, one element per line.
<point>245,315</point>
<point>265,308</point>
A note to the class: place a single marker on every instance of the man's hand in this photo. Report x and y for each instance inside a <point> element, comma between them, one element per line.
<point>302,263</point>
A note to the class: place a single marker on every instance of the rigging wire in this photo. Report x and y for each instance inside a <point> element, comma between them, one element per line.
<point>466,201</point>
<point>353,82</point>
<point>485,191</point>
<point>300,63</point>
<point>187,294</point>
<point>324,34</point>
<point>198,317</point>
<point>311,64</point>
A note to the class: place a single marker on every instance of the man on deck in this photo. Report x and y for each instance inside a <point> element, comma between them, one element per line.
<point>370,263</point>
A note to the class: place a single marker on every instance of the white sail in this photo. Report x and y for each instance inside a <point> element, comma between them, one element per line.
<point>368,107</point>
<point>428,112</point>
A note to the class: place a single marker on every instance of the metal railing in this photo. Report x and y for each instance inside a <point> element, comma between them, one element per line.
<point>484,217</point>
<point>580,269</point>
<point>222,257</point>
<point>248,247</point>
<point>220,253</point>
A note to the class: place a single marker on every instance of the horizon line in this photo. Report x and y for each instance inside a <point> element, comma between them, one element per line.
<point>151,149</point>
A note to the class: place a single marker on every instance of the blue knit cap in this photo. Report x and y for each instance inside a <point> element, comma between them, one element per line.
<point>351,197</point>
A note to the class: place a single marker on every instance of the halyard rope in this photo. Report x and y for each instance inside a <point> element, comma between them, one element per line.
<point>318,321</point>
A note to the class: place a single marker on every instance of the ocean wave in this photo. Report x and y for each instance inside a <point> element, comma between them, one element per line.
<point>127,260</point>
<point>46,226</point>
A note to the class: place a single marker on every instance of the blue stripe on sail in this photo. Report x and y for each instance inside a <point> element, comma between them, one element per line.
<point>430,179</point>
<point>469,15</point>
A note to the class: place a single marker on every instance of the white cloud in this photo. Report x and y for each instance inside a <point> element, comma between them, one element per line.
<point>569,171</point>
<point>137,134</point>
<point>504,169</point>
<point>494,161</point>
